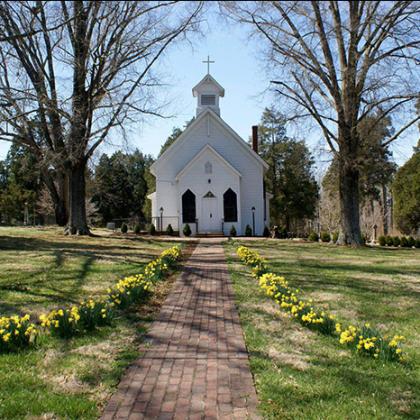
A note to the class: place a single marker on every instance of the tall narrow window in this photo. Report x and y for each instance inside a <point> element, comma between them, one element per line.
<point>188,207</point>
<point>229,206</point>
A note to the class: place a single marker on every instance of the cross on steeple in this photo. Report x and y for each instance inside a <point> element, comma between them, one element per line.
<point>208,61</point>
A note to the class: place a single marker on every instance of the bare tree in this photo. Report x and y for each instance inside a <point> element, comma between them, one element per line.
<point>337,63</point>
<point>80,70</point>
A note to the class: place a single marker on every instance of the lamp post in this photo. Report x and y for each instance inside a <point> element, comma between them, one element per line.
<point>253,221</point>
<point>26,214</point>
<point>161,219</point>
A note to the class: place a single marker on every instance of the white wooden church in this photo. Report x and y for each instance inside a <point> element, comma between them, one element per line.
<point>210,177</point>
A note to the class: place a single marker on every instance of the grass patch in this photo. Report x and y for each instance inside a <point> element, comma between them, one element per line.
<point>302,374</point>
<point>42,269</point>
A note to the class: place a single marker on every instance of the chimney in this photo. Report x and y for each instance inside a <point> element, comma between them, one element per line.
<point>255,138</point>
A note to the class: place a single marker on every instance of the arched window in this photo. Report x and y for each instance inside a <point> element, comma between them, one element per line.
<point>208,168</point>
<point>229,206</point>
<point>188,207</point>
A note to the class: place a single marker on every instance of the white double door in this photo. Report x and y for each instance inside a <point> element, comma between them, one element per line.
<point>210,220</point>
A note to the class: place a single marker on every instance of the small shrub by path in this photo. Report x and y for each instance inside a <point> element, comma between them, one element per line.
<point>303,374</point>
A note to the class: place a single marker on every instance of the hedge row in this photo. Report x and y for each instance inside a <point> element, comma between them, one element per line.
<point>403,241</point>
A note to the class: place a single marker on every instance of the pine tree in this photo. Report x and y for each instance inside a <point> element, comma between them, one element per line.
<point>289,177</point>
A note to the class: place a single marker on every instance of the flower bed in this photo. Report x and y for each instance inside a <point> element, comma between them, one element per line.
<point>364,340</point>
<point>18,332</point>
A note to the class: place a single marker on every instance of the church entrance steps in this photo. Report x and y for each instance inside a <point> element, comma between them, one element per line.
<point>210,235</point>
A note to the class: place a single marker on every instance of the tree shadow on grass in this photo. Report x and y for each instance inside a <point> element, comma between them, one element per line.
<point>55,283</point>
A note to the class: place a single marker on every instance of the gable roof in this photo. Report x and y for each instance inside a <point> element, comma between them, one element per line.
<point>196,121</point>
<point>208,79</point>
<point>206,148</point>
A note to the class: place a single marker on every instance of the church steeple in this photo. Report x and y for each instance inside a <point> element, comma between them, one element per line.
<point>208,92</point>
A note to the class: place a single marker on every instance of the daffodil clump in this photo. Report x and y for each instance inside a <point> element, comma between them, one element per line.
<point>278,289</point>
<point>369,342</point>
<point>129,290</point>
<point>366,340</point>
<point>252,259</point>
<point>133,288</point>
<point>16,332</point>
<point>62,322</point>
<point>94,313</point>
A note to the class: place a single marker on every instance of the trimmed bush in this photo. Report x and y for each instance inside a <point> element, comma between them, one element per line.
<point>283,232</point>
<point>389,240</point>
<point>313,237</point>
<point>382,240</point>
<point>136,229</point>
<point>411,241</point>
<point>169,230</point>
<point>266,232</point>
<point>124,228</point>
<point>325,237</point>
<point>396,241</point>
<point>152,229</point>
<point>187,230</point>
<point>248,231</point>
<point>335,237</point>
<point>417,244</point>
<point>232,231</point>
<point>404,242</point>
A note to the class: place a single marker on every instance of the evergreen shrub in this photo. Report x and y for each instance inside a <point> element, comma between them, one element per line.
<point>325,237</point>
<point>152,229</point>
<point>169,230</point>
<point>187,230</point>
<point>313,237</point>
<point>404,242</point>
<point>248,231</point>
<point>396,241</point>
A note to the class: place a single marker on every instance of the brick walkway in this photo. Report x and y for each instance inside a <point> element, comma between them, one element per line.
<point>196,364</point>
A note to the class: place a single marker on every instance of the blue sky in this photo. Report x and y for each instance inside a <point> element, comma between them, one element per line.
<point>239,71</point>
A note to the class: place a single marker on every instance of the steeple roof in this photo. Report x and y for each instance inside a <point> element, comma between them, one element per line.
<point>207,80</point>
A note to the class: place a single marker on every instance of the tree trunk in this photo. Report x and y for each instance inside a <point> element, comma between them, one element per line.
<point>384,209</point>
<point>77,224</point>
<point>57,192</point>
<point>60,213</point>
<point>349,206</point>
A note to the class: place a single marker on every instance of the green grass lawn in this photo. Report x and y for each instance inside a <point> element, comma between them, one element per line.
<point>302,374</point>
<point>42,269</point>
